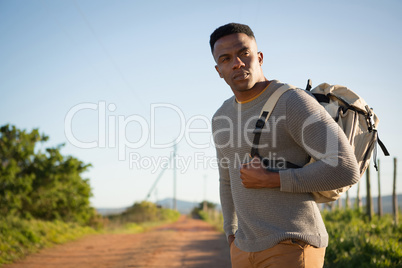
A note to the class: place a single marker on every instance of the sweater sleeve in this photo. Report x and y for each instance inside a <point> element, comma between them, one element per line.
<point>228,208</point>
<point>319,135</point>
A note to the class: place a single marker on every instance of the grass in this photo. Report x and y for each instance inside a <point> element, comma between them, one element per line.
<point>135,228</point>
<point>19,237</point>
<point>354,241</point>
<point>213,217</point>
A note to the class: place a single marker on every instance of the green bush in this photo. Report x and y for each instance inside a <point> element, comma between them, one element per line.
<point>354,241</point>
<point>41,185</point>
<point>144,212</point>
<point>169,215</point>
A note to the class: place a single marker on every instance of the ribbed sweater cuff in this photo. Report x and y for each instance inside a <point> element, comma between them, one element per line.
<point>286,180</point>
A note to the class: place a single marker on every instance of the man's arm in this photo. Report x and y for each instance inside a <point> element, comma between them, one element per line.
<point>319,135</point>
<point>312,128</point>
<point>228,209</point>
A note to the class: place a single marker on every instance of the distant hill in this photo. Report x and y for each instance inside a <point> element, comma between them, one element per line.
<point>386,203</point>
<point>110,211</point>
<point>185,207</point>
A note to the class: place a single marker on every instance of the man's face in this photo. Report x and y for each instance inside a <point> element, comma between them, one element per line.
<point>238,61</point>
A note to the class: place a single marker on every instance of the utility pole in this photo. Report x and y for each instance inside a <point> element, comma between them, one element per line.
<point>395,197</point>
<point>358,198</point>
<point>174,177</point>
<point>204,208</point>
<point>339,203</point>
<point>369,200</point>
<point>379,200</point>
<point>347,200</point>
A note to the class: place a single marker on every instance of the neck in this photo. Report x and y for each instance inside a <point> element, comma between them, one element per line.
<point>244,96</point>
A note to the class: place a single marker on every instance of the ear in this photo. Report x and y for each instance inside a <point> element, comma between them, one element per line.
<point>217,69</point>
<point>260,57</point>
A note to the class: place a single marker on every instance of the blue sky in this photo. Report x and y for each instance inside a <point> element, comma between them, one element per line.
<point>141,73</point>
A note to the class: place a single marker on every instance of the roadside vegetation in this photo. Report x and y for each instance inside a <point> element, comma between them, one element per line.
<point>140,217</point>
<point>44,200</point>
<point>355,241</point>
<point>207,211</point>
<point>20,237</point>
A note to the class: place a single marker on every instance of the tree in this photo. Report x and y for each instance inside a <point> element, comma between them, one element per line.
<point>16,156</point>
<point>44,185</point>
<point>59,186</point>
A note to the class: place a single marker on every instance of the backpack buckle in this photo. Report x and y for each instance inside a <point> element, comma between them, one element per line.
<point>259,125</point>
<point>370,120</point>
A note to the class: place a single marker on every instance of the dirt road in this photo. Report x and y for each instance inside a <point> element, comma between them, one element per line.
<point>186,243</point>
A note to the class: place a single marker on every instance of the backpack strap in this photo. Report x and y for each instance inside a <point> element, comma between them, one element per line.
<point>309,85</point>
<point>383,148</point>
<point>264,116</point>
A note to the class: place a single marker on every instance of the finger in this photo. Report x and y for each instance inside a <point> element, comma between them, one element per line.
<point>244,172</point>
<point>242,180</point>
<point>255,163</point>
<point>256,159</point>
<point>245,165</point>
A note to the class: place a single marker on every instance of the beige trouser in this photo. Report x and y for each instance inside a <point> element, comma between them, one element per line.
<point>291,253</point>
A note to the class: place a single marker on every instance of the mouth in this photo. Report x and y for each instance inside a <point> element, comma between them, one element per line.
<point>240,76</point>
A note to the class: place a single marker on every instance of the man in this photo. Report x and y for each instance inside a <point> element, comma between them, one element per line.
<point>270,218</point>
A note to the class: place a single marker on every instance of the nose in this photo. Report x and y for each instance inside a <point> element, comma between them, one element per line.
<point>238,63</point>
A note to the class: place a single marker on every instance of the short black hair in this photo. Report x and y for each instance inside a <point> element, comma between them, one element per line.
<point>227,29</point>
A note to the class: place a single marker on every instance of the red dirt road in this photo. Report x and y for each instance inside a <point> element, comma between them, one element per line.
<point>186,243</point>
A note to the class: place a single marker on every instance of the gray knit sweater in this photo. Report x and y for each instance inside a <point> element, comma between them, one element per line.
<point>299,128</point>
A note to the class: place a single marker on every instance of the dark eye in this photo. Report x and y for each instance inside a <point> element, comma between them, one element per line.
<point>225,59</point>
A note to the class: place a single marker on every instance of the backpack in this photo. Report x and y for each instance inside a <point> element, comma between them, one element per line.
<point>351,113</point>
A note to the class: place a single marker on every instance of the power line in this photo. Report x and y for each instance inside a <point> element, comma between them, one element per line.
<point>99,41</point>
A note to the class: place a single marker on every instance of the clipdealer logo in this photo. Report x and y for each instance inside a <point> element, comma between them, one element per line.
<point>112,128</point>
<point>112,133</point>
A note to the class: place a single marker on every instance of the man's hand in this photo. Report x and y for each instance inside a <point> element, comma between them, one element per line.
<point>231,239</point>
<point>254,175</point>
